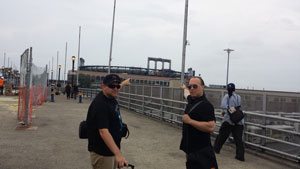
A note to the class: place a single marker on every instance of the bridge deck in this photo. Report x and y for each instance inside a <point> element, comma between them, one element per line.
<point>152,144</point>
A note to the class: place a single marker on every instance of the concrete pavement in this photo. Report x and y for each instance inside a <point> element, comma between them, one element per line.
<point>152,144</point>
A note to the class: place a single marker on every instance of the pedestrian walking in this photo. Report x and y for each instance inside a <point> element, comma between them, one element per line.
<point>230,103</point>
<point>68,90</point>
<point>75,91</point>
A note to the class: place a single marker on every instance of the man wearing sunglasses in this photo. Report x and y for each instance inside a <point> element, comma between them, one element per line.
<point>198,122</point>
<point>104,123</point>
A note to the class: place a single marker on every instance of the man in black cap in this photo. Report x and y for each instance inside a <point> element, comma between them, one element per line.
<point>230,103</point>
<point>104,124</point>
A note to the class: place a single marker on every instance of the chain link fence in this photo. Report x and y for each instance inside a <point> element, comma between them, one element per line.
<point>33,87</point>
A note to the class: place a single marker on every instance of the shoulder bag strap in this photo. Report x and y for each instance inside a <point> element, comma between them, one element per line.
<point>195,106</point>
<point>187,132</point>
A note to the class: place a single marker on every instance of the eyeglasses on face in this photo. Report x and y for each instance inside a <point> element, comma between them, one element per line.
<point>192,86</point>
<point>112,86</point>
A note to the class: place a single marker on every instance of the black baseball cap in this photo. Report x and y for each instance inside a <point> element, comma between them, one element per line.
<point>111,78</point>
<point>231,87</point>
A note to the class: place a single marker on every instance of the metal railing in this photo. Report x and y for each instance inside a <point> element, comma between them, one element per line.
<point>280,138</point>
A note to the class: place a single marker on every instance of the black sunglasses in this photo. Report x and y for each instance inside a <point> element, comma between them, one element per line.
<point>112,86</point>
<point>194,86</point>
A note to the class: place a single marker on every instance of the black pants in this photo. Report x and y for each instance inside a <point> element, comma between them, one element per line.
<point>68,95</point>
<point>75,94</point>
<point>202,159</point>
<point>237,133</point>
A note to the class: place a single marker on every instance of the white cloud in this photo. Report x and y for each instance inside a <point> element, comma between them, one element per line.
<point>264,34</point>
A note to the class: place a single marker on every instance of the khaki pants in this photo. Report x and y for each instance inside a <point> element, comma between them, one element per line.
<point>102,162</point>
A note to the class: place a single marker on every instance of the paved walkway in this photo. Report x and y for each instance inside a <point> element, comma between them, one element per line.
<point>55,144</point>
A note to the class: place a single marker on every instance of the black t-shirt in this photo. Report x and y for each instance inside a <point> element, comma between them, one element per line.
<point>103,113</point>
<point>193,139</point>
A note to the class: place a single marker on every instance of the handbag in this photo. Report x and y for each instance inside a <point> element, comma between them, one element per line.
<point>237,116</point>
<point>83,130</point>
<point>125,131</point>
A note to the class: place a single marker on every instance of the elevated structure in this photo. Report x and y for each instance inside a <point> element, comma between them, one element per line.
<point>155,60</point>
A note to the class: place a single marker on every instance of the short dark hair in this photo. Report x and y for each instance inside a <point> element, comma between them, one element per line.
<point>200,78</point>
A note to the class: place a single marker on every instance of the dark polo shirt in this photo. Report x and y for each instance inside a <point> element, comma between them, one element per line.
<point>193,139</point>
<point>103,113</point>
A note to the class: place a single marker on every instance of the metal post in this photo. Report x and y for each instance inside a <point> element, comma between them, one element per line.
<point>161,103</point>
<point>78,55</point>
<point>263,141</point>
<point>228,52</point>
<point>143,104</point>
<point>57,68</point>
<point>48,74</point>
<point>65,64</point>
<point>28,83</point>
<point>52,70</point>
<point>184,41</point>
<point>4,58</point>
<point>73,61</point>
<point>112,37</point>
<point>129,92</point>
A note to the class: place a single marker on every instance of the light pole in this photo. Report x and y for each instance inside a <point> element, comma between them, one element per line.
<point>65,63</point>
<point>8,75</point>
<point>3,71</point>
<point>184,41</point>
<point>112,37</point>
<point>59,67</point>
<point>78,56</point>
<point>51,76</point>
<point>73,61</point>
<point>228,52</point>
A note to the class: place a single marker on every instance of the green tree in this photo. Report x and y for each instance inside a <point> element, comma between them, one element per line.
<point>84,81</point>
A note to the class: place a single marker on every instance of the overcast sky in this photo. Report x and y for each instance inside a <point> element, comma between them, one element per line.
<point>265,36</point>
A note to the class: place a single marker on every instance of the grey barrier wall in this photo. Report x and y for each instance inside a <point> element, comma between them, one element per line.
<point>272,132</point>
<point>266,101</point>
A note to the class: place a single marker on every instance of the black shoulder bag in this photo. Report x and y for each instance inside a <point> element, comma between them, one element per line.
<point>83,130</point>
<point>236,116</point>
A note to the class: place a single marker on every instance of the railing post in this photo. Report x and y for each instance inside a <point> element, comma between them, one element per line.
<point>263,141</point>
<point>143,104</point>
<point>172,94</point>
<point>129,97</point>
<point>161,104</point>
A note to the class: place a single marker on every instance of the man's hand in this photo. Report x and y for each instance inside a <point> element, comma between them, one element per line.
<point>186,119</point>
<point>125,82</point>
<point>186,92</point>
<point>121,161</point>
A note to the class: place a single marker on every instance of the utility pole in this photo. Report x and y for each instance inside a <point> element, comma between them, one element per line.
<point>65,64</point>
<point>4,58</point>
<point>112,37</point>
<point>57,68</point>
<point>52,70</point>
<point>184,41</point>
<point>78,55</point>
<point>228,52</point>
